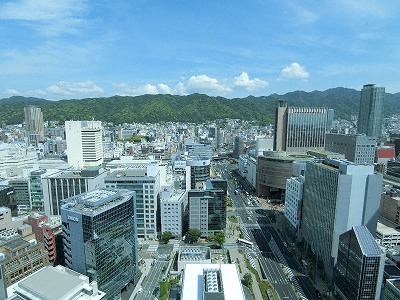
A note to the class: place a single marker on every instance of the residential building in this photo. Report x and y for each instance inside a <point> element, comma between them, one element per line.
<point>359,268</point>
<point>100,240</point>
<point>60,283</point>
<point>357,148</point>
<point>63,184</point>
<point>34,126</point>
<point>370,115</point>
<point>349,197</point>
<point>298,129</point>
<point>84,143</point>
<point>211,281</point>
<point>143,177</point>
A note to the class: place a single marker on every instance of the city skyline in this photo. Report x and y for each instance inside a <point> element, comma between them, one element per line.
<point>78,49</point>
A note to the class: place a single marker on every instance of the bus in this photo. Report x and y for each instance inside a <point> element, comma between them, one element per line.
<point>245,243</point>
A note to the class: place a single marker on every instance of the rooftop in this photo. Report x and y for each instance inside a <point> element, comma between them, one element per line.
<point>192,287</point>
<point>366,241</point>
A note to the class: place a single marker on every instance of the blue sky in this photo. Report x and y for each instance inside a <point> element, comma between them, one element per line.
<point>68,49</point>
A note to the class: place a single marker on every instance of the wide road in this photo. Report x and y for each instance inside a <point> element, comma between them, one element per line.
<point>251,218</point>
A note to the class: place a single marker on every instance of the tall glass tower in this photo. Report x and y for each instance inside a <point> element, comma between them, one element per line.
<point>370,116</point>
<point>100,239</point>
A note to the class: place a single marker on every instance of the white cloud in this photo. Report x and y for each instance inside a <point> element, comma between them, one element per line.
<point>244,81</point>
<point>48,16</point>
<point>294,70</point>
<point>11,92</point>
<point>124,89</point>
<point>77,88</point>
<point>205,84</point>
<point>163,88</point>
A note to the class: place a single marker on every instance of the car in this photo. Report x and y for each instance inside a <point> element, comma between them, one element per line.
<point>140,290</point>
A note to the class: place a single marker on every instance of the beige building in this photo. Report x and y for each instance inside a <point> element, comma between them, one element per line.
<point>19,258</point>
<point>390,207</point>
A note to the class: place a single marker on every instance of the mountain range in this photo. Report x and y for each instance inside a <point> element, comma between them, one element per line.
<point>190,108</point>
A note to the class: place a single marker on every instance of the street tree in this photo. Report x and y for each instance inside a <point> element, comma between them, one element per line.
<point>166,236</point>
<point>194,235</point>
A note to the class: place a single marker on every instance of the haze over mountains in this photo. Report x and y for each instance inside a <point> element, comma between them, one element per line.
<point>189,108</point>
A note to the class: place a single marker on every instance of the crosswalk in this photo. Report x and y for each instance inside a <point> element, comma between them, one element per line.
<point>288,271</point>
<point>176,248</point>
<point>245,232</point>
<point>252,257</point>
<point>152,248</point>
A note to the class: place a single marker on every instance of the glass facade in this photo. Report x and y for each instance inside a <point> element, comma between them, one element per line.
<point>370,116</point>
<point>106,245</point>
<point>358,271</point>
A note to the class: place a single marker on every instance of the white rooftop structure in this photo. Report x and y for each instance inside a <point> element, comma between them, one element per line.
<point>55,283</point>
<point>201,279</point>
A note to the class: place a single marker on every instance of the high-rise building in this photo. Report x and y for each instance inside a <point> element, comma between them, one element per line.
<point>34,126</point>
<point>370,115</point>
<point>100,239</point>
<point>199,171</point>
<point>357,148</point>
<point>298,129</point>
<point>84,143</point>
<point>207,210</point>
<point>359,269</point>
<point>143,177</point>
<point>337,195</point>
<point>173,207</point>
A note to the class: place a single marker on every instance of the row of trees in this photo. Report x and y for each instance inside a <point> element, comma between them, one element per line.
<point>194,235</point>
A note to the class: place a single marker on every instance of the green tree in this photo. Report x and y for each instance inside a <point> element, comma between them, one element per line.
<point>219,237</point>
<point>166,236</point>
<point>247,280</point>
<point>194,235</point>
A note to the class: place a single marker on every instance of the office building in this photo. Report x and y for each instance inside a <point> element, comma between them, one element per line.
<point>60,185</point>
<point>143,177</point>
<point>207,210</point>
<point>349,197</point>
<point>293,198</point>
<point>22,194</point>
<point>392,289</point>
<point>357,148</point>
<point>173,206</point>
<point>298,129</point>
<point>199,171</point>
<point>19,258</point>
<point>238,146</point>
<point>359,268</point>
<point>370,115</point>
<point>211,281</point>
<point>34,126</point>
<point>84,143</point>
<point>100,240</point>
<point>196,150</point>
<point>390,207</point>
<point>36,189</point>
<point>50,283</point>
<point>387,235</point>
<point>7,199</point>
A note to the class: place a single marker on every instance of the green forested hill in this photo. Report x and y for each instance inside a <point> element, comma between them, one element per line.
<point>190,108</point>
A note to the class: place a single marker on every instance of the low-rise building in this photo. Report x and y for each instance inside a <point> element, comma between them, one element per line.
<point>387,235</point>
<point>60,283</point>
<point>211,281</point>
<point>193,255</point>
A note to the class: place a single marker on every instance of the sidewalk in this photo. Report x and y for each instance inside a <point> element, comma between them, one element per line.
<point>145,269</point>
<point>236,256</point>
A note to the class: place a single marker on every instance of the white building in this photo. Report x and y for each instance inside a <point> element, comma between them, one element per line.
<point>84,143</point>
<point>386,235</point>
<point>211,281</point>
<point>193,255</point>
<point>293,197</point>
<point>173,207</point>
<point>61,185</point>
<point>143,177</point>
<point>55,283</point>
